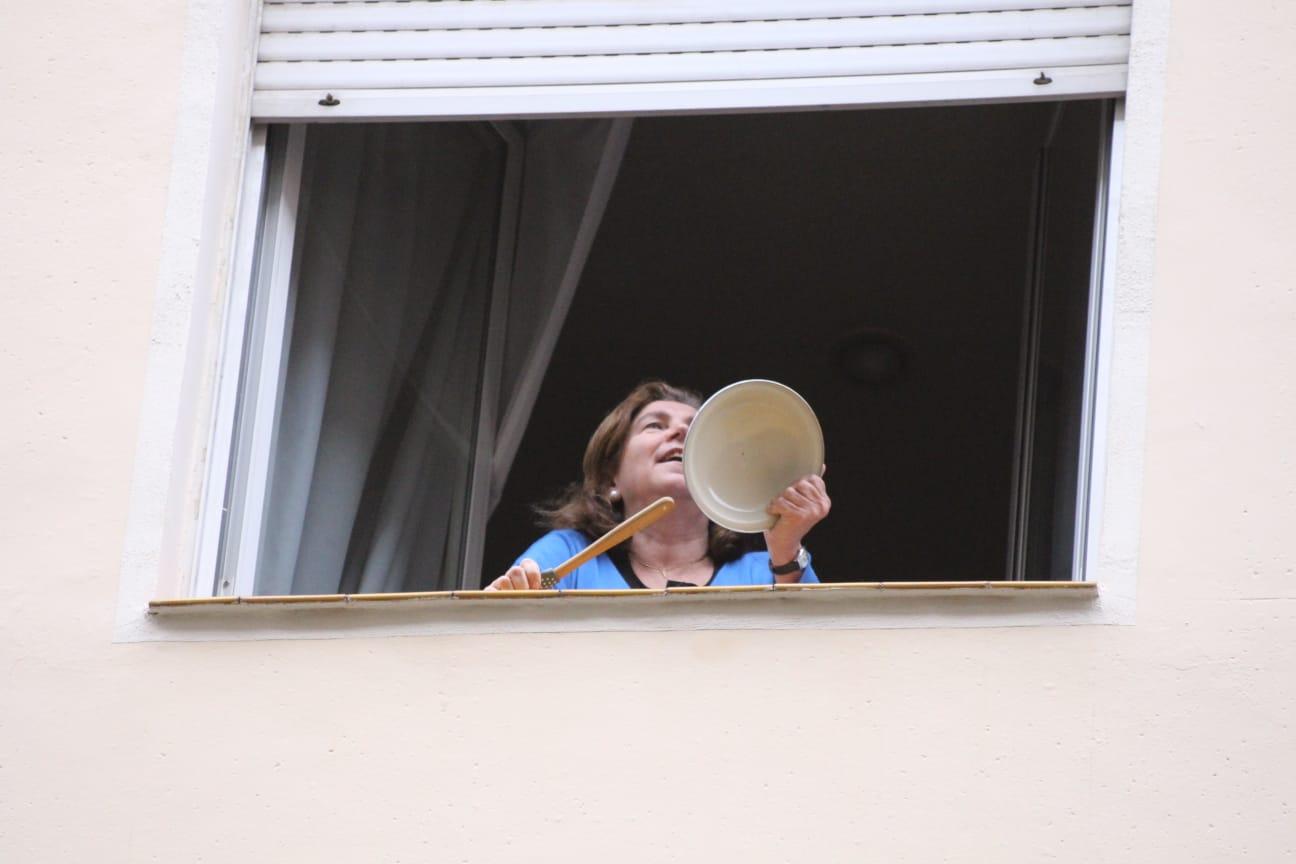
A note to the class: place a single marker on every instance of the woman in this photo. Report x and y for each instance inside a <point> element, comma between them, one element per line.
<point>635,457</point>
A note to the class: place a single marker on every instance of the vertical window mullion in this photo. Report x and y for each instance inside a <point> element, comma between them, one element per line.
<point>1098,342</point>
<point>224,410</point>
<point>266,351</point>
<point>1029,352</point>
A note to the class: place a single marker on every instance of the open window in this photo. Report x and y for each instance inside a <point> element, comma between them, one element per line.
<point>535,204</point>
<point>434,303</point>
<point>924,277</point>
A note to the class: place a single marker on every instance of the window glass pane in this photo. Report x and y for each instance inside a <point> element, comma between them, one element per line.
<point>371,462</point>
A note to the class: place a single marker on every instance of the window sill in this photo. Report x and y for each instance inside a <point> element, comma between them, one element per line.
<point>858,605</point>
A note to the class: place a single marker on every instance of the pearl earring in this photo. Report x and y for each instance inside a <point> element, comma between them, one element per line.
<point>614,496</point>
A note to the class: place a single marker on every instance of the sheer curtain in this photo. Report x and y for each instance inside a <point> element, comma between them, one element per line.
<point>394,264</point>
<point>571,166</point>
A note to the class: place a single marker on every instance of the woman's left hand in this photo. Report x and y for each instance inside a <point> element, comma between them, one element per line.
<point>799,508</point>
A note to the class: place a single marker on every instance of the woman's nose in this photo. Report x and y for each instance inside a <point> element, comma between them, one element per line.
<point>678,430</point>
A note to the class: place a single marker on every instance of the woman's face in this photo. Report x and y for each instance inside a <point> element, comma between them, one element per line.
<point>652,460</point>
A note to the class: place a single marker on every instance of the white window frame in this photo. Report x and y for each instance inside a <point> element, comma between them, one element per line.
<point>237,490</point>
<point>165,533</point>
<point>1096,371</point>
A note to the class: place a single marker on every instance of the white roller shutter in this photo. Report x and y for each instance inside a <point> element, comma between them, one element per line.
<point>373,58</point>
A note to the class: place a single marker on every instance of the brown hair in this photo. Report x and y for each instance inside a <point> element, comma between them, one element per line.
<point>585,507</point>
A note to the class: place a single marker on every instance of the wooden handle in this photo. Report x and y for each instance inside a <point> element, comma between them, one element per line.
<point>619,534</point>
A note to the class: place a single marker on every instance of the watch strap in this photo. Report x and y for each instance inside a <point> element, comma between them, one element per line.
<point>799,562</point>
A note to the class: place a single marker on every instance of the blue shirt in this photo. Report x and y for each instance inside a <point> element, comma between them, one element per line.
<point>602,572</point>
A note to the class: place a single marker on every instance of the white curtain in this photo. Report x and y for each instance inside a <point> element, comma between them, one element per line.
<point>395,259</point>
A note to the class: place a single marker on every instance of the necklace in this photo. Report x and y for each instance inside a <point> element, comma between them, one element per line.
<point>665,571</point>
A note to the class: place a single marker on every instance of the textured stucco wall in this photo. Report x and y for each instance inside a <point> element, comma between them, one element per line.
<point>1168,740</point>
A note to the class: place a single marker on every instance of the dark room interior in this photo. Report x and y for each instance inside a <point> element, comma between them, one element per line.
<point>878,262</point>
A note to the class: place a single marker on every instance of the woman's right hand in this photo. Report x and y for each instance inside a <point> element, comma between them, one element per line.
<point>523,576</point>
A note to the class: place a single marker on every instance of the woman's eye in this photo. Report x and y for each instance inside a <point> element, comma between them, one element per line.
<point>653,424</point>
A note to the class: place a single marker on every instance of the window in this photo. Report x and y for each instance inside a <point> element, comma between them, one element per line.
<point>197,351</point>
<point>433,303</point>
<point>962,53</point>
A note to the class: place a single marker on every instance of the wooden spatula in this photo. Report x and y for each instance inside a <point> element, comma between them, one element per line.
<point>619,534</point>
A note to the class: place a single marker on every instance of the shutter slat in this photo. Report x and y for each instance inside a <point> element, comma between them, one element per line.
<point>752,65</point>
<point>474,14</point>
<point>651,39</point>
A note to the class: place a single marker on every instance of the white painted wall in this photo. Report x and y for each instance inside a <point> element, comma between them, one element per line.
<point>1171,739</point>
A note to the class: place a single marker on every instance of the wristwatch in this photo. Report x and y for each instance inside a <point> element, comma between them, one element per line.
<point>800,562</point>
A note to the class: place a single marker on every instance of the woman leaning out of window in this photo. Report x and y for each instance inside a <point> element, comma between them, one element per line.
<point>634,457</point>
